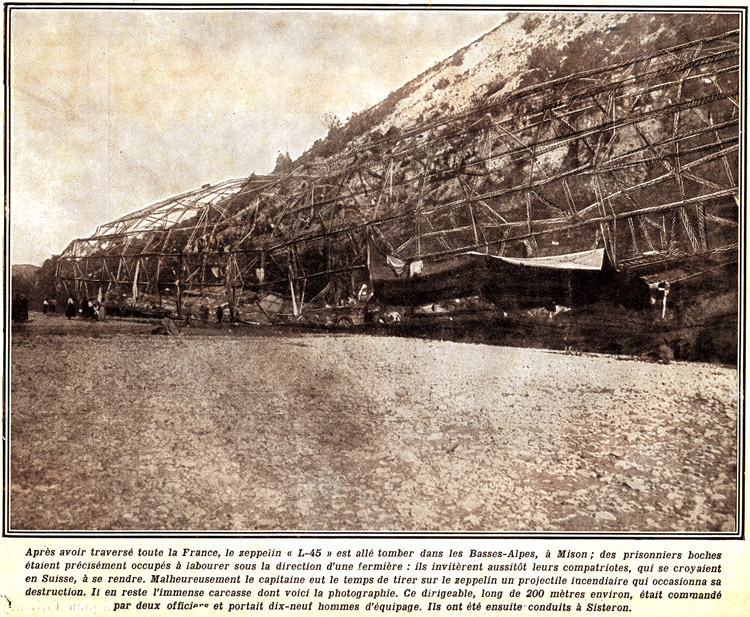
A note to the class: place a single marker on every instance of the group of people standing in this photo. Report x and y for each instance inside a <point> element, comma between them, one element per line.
<point>20,307</point>
<point>204,313</point>
<point>91,310</point>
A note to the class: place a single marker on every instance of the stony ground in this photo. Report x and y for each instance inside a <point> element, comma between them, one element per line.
<point>114,428</point>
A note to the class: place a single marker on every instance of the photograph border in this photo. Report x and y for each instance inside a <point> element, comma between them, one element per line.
<point>7,531</point>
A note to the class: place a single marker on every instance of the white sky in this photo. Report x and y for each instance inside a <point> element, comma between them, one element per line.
<point>112,110</point>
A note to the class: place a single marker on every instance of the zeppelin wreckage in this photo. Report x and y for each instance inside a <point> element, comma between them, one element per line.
<point>612,192</point>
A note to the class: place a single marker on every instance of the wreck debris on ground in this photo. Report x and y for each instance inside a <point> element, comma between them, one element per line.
<point>539,153</point>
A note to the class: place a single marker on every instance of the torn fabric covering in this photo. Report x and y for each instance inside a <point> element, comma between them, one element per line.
<point>260,274</point>
<point>397,264</point>
<point>585,260</point>
<point>415,267</point>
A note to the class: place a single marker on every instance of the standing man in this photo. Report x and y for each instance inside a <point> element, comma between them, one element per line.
<point>70,310</point>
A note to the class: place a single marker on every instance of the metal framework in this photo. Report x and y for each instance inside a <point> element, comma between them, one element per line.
<point>640,158</point>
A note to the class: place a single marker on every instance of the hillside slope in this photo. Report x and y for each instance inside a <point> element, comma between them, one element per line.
<point>526,49</point>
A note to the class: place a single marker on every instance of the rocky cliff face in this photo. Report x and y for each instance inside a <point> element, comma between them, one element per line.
<point>527,49</point>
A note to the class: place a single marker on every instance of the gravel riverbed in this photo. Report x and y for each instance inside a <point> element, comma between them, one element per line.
<point>115,428</point>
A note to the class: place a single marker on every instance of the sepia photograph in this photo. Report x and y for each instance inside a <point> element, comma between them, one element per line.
<point>447,271</point>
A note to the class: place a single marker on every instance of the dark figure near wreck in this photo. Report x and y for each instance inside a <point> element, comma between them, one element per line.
<point>219,314</point>
<point>19,310</point>
<point>70,309</point>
